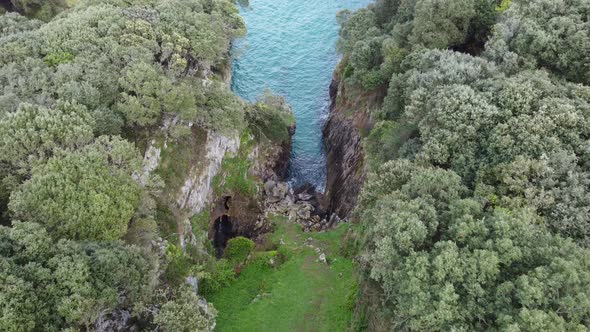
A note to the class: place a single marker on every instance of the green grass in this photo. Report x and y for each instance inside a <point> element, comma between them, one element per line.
<point>302,294</point>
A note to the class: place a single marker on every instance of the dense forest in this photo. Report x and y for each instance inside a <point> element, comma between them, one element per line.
<point>80,244</point>
<point>474,215</point>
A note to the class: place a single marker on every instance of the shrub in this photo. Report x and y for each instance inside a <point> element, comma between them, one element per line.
<point>56,59</point>
<point>221,275</point>
<point>185,313</point>
<point>87,194</point>
<point>179,265</point>
<point>271,118</point>
<point>238,249</point>
<point>371,80</point>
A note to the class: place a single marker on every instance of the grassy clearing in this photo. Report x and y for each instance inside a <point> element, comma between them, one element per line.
<point>302,294</point>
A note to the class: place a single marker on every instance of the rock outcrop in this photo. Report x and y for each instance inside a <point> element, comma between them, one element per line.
<point>196,192</point>
<point>350,116</point>
<point>345,158</point>
<point>239,211</point>
<point>187,190</point>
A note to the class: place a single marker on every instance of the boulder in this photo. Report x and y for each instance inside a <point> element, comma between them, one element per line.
<point>280,190</point>
<point>304,211</point>
<point>304,197</point>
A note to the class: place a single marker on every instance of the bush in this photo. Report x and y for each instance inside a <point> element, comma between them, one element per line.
<point>284,253</point>
<point>48,285</point>
<point>141,232</point>
<point>221,275</point>
<point>238,249</point>
<point>271,118</point>
<point>88,194</point>
<point>179,265</point>
<point>264,258</point>
<point>371,80</point>
<point>185,313</point>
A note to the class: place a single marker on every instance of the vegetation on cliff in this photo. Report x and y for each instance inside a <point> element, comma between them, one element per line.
<point>82,96</point>
<point>475,211</point>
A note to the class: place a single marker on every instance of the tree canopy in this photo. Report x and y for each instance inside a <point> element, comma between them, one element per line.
<point>81,83</point>
<point>475,209</point>
<point>88,194</point>
<point>47,285</point>
<point>444,262</point>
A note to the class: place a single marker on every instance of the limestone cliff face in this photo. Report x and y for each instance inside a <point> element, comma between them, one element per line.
<point>349,118</point>
<point>196,191</point>
<point>195,180</point>
<point>187,166</point>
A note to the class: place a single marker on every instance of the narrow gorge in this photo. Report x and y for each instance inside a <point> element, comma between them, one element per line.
<point>290,49</point>
<point>273,165</point>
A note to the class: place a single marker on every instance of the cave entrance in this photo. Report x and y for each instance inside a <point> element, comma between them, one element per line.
<point>7,4</point>
<point>223,232</point>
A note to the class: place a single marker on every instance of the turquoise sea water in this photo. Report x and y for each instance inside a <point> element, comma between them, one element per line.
<point>290,49</point>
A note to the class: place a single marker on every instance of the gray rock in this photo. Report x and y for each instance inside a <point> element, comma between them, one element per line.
<point>118,320</point>
<point>269,186</point>
<point>280,190</point>
<point>304,197</point>
<point>192,281</point>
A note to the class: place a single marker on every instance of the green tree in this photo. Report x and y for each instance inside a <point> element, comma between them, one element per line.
<point>271,118</point>
<point>50,286</point>
<point>186,313</point>
<point>86,194</point>
<point>30,135</point>
<point>444,263</point>
<point>442,24</point>
<point>531,31</point>
<point>238,249</point>
<point>13,23</point>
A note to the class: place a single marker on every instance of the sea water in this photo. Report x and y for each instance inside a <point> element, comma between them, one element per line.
<point>290,49</point>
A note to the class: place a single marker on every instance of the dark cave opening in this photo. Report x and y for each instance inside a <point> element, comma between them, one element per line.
<point>7,4</point>
<point>223,232</point>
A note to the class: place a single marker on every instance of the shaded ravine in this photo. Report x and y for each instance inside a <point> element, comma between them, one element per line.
<point>290,49</point>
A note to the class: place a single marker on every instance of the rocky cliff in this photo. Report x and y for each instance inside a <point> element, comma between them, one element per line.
<point>344,159</point>
<point>349,119</point>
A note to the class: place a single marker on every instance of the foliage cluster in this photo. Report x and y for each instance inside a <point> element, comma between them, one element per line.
<point>162,52</point>
<point>87,194</point>
<point>375,40</point>
<point>186,313</point>
<point>238,249</point>
<point>219,275</point>
<point>475,212</point>
<point>42,9</point>
<point>45,285</point>
<point>271,118</point>
<point>443,261</point>
<point>71,89</point>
